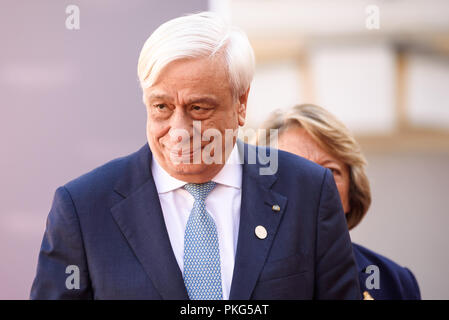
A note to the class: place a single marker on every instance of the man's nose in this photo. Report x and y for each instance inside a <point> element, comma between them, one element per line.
<point>180,125</point>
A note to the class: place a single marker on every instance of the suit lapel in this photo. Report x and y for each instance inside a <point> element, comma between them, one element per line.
<point>256,209</point>
<point>139,217</point>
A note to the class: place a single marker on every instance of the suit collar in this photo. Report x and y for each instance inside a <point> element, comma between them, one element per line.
<point>138,172</point>
<point>140,219</point>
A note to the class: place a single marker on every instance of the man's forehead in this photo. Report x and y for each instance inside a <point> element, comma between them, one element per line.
<point>187,90</point>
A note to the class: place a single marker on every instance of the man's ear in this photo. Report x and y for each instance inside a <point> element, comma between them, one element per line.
<point>243,99</point>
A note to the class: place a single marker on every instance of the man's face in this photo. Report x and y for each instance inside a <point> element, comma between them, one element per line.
<point>191,90</point>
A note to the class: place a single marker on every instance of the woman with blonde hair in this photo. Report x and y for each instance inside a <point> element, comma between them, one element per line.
<point>314,133</point>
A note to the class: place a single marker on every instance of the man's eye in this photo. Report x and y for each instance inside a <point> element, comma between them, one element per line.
<point>196,108</point>
<point>160,106</point>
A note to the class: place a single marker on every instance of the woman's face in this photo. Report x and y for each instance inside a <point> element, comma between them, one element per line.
<point>296,140</point>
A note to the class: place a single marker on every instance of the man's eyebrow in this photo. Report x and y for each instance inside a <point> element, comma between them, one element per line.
<point>210,100</point>
<point>204,99</point>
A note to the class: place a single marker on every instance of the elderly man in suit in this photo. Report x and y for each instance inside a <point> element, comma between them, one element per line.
<point>194,214</point>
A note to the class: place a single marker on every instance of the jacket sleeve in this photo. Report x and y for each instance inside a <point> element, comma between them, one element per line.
<point>62,271</point>
<point>336,272</point>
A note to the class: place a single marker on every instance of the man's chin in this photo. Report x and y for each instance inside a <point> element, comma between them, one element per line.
<point>188,168</point>
<point>195,173</point>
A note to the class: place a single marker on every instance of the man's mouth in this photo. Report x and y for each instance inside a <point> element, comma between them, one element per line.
<point>183,152</point>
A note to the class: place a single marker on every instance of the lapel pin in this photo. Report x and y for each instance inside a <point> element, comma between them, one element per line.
<point>276,208</point>
<point>261,232</point>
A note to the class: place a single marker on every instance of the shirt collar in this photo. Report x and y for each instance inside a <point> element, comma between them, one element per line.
<point>230,175</point>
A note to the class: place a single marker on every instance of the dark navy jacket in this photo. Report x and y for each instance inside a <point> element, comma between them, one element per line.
<point>396,282</point>
<point>109,224</point>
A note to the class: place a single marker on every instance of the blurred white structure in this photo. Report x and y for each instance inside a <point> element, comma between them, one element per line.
<point>356,82</point>
<point>428,90</point>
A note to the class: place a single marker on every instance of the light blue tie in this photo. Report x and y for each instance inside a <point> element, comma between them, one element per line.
<point>202,273</point>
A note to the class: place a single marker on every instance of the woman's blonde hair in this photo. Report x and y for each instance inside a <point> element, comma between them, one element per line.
<point>335,138</point>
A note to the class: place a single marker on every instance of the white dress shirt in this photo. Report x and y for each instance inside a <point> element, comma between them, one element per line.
<point>222,203</point>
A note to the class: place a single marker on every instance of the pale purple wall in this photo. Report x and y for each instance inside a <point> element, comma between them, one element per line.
<point>69,101</point>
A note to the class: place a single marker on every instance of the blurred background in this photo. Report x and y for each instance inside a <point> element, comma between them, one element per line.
<point>70,101</point>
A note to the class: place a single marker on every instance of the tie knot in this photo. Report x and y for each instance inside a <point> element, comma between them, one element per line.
<point>200,191</point>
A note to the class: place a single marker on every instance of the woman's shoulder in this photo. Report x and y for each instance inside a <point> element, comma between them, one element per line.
<point>382,277</point>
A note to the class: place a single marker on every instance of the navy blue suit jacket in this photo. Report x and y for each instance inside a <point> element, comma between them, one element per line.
<point>396,282</point>
<point>109,223</point>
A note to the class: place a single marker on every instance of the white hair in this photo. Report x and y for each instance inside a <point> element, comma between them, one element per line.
<point>194,36</point>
